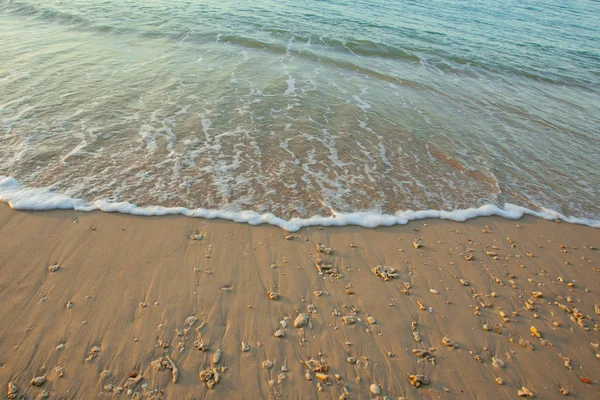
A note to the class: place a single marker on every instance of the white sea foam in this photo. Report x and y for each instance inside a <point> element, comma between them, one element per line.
<point>20,197</point>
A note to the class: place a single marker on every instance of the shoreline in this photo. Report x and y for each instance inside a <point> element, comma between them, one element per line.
<point>130,285</point>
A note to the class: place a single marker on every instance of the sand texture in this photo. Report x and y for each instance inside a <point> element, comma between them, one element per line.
<point>97,305</point>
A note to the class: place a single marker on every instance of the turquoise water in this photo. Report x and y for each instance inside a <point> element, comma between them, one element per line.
<point>305,108</point>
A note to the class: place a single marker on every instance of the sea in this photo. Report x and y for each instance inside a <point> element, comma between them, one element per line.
<point>297,113</point>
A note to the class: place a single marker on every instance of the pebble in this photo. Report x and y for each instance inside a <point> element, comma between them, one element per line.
<point>375,389</point>
<point>38,381</point>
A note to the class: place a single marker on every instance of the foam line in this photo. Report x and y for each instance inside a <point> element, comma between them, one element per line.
<point>20,197</point>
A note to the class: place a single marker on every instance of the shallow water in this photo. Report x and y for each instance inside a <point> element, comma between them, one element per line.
<point>304,109</point>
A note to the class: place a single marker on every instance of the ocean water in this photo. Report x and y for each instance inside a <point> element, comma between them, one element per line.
<point>297,113</point>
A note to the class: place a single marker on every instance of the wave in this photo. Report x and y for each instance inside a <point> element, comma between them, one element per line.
<point>20,197</point>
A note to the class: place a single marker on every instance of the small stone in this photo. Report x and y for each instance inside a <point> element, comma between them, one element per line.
<point>301,320</point>
<point>267,364</point>
<point>375,389</point>
<point>54,268</point>
<point>38,381</point>
<point>499,381</point>
<point>280,333</point>
<point>524,392</point>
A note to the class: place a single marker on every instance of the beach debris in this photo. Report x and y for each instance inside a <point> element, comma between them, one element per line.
<point>375,389</point>
<point>418,380</point>
<point>426,355</point>
<point>524,392</point>
<point>417,243</point>
<point>446,341</point>
<point>499,381</point>
<point>245,347</point>
<point>69,305</point>
<point>201,345</point>
<point>597,309</point>
<point>322,249</point>
<point>289,237</point>
<point>279,333</point>
<point>191,320</point>
<point>174,369</point>
<point>537,295</point>
<point>12,391</point>
<point>132,381</point>
<point>196,237</point>
<point>273,295</point>
<point>217,356</point>
<point>38,381</point>
<point>433,291</point>
<point>327,269</point>
<point>210,377</point>
<point>348,319</point>
<point>463,282</point>
<point>563,391</point>
<point>163,343</point>
<point>267,364</point>
<point>535,332</point>
<point>585,380</point>
<point>53,267</point>
<point>281,377</point>
<point>384,272</point>
<point>417,336</point>
<point>351,360</point>
<point>371,320</point>
<point>497,362</point>
<point>301,320</point>
<point>311,308</point>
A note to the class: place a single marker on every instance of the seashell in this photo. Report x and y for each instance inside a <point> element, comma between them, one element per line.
<point>308,376</point>
<point>584,380</point>
<point>348,319</point>
<point>95,349</point>
<point>524,392</point>
<point>463,282</point>
<point>537,295</point>
<point>433,291</point>
<point>597,309</point>
<point>191,320</point>
<point>318,293</point>
<point>499,381</point>
<point>535,332</point>
<point>70,304</point>
<point>311,308</point>
<point>217,356</point>
<point>417,243</point>
<point>279,333</point>
<point>273,295</point>
<point>283,324</point>
<point>44,393</point>
<point>245,347</point>
<point>446,341</point>
<point>301,320</point>
<point>38,381</point>
<point>196,237</point>
<point>469,257</point>
<point>54,267</point>
<point>351,360</point>
<point>267,364</point>
<point>375,389</point>
<point>486,327</point>
<point>371,320</point>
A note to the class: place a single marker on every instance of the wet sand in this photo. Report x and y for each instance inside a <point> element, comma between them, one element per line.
<point>102,304</point>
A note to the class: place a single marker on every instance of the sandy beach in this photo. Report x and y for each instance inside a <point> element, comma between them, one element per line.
<point>116,306</point>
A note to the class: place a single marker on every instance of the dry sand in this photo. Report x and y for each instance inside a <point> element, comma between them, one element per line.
<point>126,287</point>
